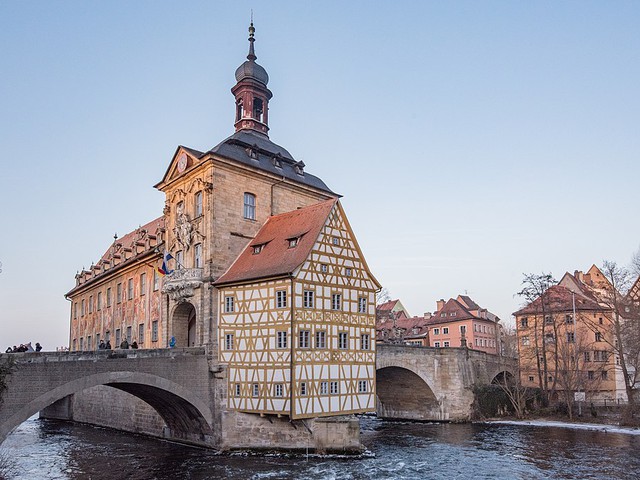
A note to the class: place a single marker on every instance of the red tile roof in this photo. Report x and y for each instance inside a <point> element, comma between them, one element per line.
<point>559,299</point>
<point>276,258</point>
<point>387,306</point>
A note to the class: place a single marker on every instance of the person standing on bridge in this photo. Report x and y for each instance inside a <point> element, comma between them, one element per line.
<point>38,347</point>
<point>124,344</point>
<point>108,345</point>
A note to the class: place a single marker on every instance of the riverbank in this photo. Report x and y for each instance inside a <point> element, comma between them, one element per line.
<point>596,427</point>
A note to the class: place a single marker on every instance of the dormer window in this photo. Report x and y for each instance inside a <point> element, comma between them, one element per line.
<point>253,152</point>
<point>277,161</point>
<point>299,167</point>
<point>258,248</point>
<point>293,242</point>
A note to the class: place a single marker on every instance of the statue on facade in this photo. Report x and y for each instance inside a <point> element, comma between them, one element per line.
<point>183,229</point>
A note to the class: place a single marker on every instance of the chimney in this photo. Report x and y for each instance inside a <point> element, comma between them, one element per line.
<point>440,304</point>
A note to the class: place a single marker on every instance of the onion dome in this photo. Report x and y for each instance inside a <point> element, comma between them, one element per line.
<point>250,69</point>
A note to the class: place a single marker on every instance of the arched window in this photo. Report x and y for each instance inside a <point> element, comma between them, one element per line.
<point>257,109</point>
<point>249,206</point>
<point>239,105</point>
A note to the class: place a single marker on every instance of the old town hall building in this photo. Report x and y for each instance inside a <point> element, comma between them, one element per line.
<point>262,266</point>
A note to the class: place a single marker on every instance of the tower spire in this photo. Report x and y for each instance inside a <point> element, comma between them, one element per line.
<point>252,54</point>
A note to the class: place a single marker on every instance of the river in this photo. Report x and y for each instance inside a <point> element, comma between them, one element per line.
<point>46,449</point>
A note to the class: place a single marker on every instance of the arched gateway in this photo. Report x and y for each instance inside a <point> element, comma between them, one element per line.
<point>183,324</point>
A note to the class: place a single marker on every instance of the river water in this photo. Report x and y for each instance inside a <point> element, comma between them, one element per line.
<point>46,449</point>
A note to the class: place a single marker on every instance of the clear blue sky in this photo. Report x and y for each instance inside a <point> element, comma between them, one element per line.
<point>472,141</point>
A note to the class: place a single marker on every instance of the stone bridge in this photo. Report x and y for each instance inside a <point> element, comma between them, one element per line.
<point>425,383</point>
<point>180,394</point>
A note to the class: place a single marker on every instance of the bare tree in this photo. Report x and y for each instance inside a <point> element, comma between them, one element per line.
<point>624,323</point>
<point>383,296</point>
<point>534,288</point>
<point>517,393</point>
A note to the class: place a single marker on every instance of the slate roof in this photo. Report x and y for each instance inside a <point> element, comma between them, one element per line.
<point>237,147</point>
<point>470,304</point>
<point>276,258</point>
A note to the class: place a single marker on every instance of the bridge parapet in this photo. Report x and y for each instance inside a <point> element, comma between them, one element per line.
<point>95,355</point>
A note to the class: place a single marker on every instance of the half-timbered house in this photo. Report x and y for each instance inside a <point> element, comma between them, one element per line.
<point>297,321</point>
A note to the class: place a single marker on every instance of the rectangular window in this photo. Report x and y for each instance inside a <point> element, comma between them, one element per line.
<point>548,320</point>
<point>156,280</point>
<point>99,301</point>
<point>303,339</point>
<point>143,283</point>
<point>89,347</point>
<point>598,336</point>
<point>524,322</point>
<point>82,307</point>
<point>571,337</point>
<point>119,293</point>
<point>129,335</point>
<point>587,356</point>
<point>75,310</point>
<point>179,260</point>
<point>118,338</point>
<point>568,319</point>
<point>154,331</point>
<point>228,341</point>
<point>599,356</point>
<point>228,304</point>
<point>81,344</point>
<point>141,334</point>
<point>348,272</point>
<point>324,388</point>
<point>303,388</point>
<point>362,305</point>
<point>323,268</point>
<point>197,255</point>
<point>445,330</point>
<point>336,301</point>
<point>590,375</point>
<point>249,206</point>
<point>531,378</point>
<point>446,344</point>
<point>281,339</point>
<point>198,201</point>
<point>436,331</point>
<point>524,340</point>
<point>281,299</point>
<point>335,240</point>
<point>321,339</point>
<point>255,390</point>
<point>237,389</point>
<point>343,340</point>
<point>436,344</point>
<point>335,388</point>
<point>279,390</point>
<point>365,341</point>
<point>463,329</point>
<point>604,375</point>
<point>97,340</point>
<point>90,303</point>
<point>109,297</point>
<point>307,299</point>
<point>130,289</point>
<point>363,386</point>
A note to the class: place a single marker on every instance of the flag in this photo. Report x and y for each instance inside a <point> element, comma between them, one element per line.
<point>164,269</point>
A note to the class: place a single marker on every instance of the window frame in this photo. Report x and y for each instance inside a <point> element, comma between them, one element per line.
<point>249,206</point>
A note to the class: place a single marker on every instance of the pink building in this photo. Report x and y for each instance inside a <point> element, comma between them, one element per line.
<point>461,322</point>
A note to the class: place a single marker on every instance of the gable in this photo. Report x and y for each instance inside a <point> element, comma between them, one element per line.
<point>183,160</point>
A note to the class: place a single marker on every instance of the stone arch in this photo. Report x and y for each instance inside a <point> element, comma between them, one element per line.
<point>403,394</point>
<point>184,324</point>
<point>188,418</point>
<point>503,376</point>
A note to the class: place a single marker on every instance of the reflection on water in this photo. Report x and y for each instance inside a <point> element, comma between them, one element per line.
<point>45,449</point>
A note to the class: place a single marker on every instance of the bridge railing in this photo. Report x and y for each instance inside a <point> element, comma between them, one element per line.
<point>102,354</point>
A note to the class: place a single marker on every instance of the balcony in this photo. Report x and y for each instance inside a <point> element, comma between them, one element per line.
<point>181,284</point>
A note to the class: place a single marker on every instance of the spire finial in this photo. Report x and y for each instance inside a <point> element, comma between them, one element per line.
<point>252,54</point>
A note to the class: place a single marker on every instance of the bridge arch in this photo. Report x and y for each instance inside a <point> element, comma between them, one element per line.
<point>187,416</point>
<point>402,393</point>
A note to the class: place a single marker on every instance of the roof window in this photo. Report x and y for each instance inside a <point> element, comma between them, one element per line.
<point>258,248</point>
